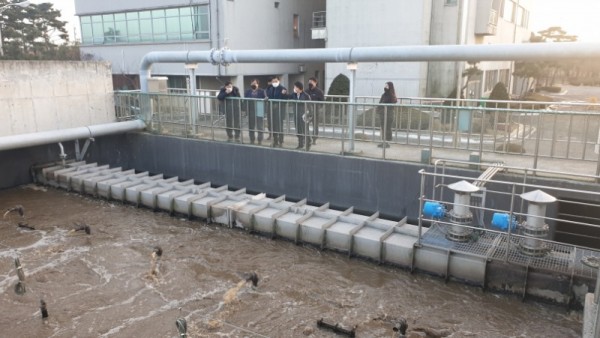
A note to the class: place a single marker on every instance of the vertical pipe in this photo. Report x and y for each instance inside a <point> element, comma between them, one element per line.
<point>510,217</point>
<point>351,100</point>
<point>421,196</point>
<point>597,293</point>
<point>584,138</point>
<point>537,142</point>
<point>596,298</point>
<point>554,133</point>
<point>569,135</point>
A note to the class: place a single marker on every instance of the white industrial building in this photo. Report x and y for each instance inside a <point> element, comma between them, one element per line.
<point>123,32</point>
<point>436,22</point>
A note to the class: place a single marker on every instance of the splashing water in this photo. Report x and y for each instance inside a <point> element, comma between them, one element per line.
<point>94,285</point>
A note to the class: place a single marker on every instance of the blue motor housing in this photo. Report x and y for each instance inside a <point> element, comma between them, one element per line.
<point>502,221</point>
<point>434,209</point>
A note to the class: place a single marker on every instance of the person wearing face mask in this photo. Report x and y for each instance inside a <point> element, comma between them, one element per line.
<point>276,111</point>
<point>256,110</point>
<point>230,107</point>
<point>316,95</point>
<point>386,114</point>
<point>302,116</point>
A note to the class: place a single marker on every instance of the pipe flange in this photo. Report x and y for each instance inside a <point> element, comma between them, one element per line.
<point>460,219</point>
<point>538,251</point>
<point>458,237</point>
<point>221,57</point>
<point>591,261</point>
<point>535,231</point>
<point>212,57</point>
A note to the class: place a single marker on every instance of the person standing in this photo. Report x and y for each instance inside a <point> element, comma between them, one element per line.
<point>386,114</point>
<point>267,118</point>
<point>276,112</point>
<point>316,95</point>
<point>256,110</point>
<point>229,106</point>
<point>302,116</point>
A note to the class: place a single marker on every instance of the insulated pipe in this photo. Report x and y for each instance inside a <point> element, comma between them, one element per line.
<point>499,52</point>
<point>61,135</point>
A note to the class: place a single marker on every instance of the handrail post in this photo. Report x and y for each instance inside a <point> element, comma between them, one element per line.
<point>352,67</point>
<point>510,217</point>
<point>421,196</point>
<point>537,142</point>
<point>597,304</point>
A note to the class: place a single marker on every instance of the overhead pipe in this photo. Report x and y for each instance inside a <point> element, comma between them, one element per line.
<point>62,135</point>
<point>474,53</point>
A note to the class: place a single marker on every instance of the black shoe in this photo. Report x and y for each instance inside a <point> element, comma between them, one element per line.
<point>308,147</point>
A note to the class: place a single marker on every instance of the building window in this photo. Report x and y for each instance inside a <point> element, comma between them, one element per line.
<point>491,78</point>
<point>296,26</point>
<point>450,2</point>
<point>159,25</point>
<point>504,76</point>
<point>522,17</point>
<point>508,13</point>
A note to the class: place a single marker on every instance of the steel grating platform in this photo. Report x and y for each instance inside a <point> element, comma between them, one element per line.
<point>562,258</point>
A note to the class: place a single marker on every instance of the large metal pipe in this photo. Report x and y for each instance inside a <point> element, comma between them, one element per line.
<point>62,135</point>
<point>499,52</point>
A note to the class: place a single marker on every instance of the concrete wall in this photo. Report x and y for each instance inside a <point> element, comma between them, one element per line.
<point>368,185</point>
<point>379,23</point>
<point>48,95</point>
<point>390,187</point>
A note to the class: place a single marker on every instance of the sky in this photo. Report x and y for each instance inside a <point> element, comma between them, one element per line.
<point>577,17</point>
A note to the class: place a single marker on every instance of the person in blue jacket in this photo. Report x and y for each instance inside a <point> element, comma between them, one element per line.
<point>276,110</point>
<point>230,107</point>
<point>256,110</point>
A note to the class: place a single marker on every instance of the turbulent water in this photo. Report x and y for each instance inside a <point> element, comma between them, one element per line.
<point>99,285</point>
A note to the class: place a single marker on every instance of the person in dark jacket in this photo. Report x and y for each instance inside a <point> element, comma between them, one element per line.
<point>302,116</point>
<point>231,108</point>
<point>256,110</point>
<point>276,111</point>
<point>386,114</point>
<point>267,118</point>
<point>316,95</point>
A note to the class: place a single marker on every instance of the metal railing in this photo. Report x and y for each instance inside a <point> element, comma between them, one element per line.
<point>493,243</point>
<point>495,129</point>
